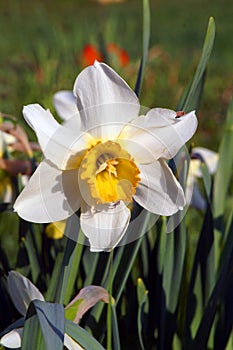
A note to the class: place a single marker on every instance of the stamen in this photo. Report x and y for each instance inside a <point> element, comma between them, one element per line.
<point>110,173</point>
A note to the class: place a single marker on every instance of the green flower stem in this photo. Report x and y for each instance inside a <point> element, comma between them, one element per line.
<point>109,311</point>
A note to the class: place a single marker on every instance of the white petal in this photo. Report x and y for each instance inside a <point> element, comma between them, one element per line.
<point>65,104</point>
<point>50,195</point>
<point>192,192</point>
<point>1,144</point>
<point>159,192</point>
<point>206,155</point>
<point>8,139</point>
<point>103,97</point>
<point>22,291</point>
<point>71,343</point>
<point>104,229</point>
<point>159,134</point>
<point>59,144</point>
<point>12,339</point>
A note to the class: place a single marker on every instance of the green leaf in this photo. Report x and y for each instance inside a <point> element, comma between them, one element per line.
<point>202,279</point>
<point>33,259</point>
<point>90,262</point>
<point>22,291</point>
<point>143,306</point>
<point>85,299</point>
<point>207,321</point>
<point>206,179</point>
<point>71,260</point>
<point>145,44</point>
<point>122,265</point>
<point>195,313</point>
<point>32,335</point>
<point>84,338</point>
<point>145,257</point>
<point>52,289</point>
<point>162,238</point>
<point>109,308</point>
<point>229,345</point>
<point>174,265</point>
<point>225,166</point>
<point>176,344</point>
<point>70,313</point>
<point>222,180</point>
<point>194,92</point>
<point>115,331</point>
<point>17,324</point>
<point>204,329</point>
<point>52,322</point>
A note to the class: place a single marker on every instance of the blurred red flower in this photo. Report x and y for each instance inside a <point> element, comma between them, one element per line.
<point>114,53</point>
<point>90,54</point>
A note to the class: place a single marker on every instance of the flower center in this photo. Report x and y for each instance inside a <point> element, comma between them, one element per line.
<point>110,173</point>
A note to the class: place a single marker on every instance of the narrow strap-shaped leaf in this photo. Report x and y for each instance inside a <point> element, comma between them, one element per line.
<point>145,258</point>
<point>226,243</point>
<point>115,330</point>
<point>195,101</point>
<point>52,322</point>
<point>125,269</point>
<point>195,307</point>
<point>187,102</point>
<point>32,335</point>
<point>84,338</point>
<point>200,283</point>
<point>174,265</point>
<point>90,262</point>
<point>17,324</point>
<point>109,309</point>
<point>206,179</point>
<point>162,238</point>
<point>145,44</point>
<point>33,255</point>
<point>204,329</point>
<point>222,180</point>
<point>176,344</point>
<point>122,265</point>
<point>71,261</point>
<point>143,304</point>
<point>225,166</point>
<point>51,292</point>
<point>230,342</point>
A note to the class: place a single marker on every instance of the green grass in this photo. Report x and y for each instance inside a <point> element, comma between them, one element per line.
<point>45,39</point>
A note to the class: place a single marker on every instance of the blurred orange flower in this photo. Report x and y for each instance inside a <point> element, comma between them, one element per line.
<point>114,53</point>
<point>90,54</point>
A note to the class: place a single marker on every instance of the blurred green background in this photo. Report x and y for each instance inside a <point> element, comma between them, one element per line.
<point>41,43</point>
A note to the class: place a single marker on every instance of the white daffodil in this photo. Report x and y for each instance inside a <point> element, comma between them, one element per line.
<point>6,191</point>
<point>5,139</point>
<point>199,155</point>
<point>22,292</point>
<point>103,157</point>
<point>65,104</point>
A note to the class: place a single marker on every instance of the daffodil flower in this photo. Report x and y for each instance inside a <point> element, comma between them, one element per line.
<point>22,292</point>
<point>104,157</point>
<point>199,155</point>
<point>55,230</point>
<point>65,105</point>
<point>13,138</point>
